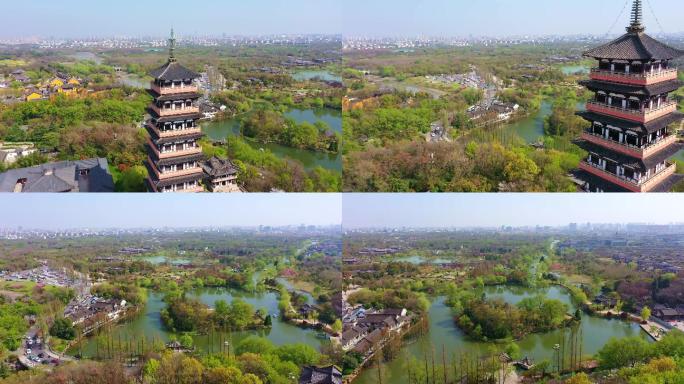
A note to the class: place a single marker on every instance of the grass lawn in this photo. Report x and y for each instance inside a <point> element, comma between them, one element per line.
<point>24,287</point>
<point>579,279</point>
<point>303,286</point>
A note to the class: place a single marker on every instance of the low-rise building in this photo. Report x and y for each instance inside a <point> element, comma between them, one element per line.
<point>11,152</point>
<point>221,175</point>
<point>91,312</point>
<point>320,375</point>
<point>66,176</point>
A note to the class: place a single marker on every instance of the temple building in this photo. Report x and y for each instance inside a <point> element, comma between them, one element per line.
<point>320,375</point>
<point>174,157</point>
<point>631,136</point>
<point>221,175</point>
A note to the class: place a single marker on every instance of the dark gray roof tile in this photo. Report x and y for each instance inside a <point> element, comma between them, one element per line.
<point>635,47</point>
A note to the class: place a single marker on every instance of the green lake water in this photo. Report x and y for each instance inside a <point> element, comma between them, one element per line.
<point>157,260</point>
<point>310,75</point>
<point>134,81</point>
<point>417,260</point>
<point>444,334</point>
<point>575,70</point>
<point>219,130</point>
<point>148,324</point>
<point>531,128</point>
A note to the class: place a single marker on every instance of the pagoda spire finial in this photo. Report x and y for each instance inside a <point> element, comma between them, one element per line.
<point>637,25</point>
<point>172,47</point>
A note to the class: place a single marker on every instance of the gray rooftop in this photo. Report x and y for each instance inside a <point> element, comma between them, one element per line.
<point>90,175</point>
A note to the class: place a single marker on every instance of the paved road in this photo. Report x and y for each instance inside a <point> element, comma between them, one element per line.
<point>37,349</point>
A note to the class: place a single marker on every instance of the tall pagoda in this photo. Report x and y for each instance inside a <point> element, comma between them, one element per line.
<point>629,142</point>
<point>173,153</point>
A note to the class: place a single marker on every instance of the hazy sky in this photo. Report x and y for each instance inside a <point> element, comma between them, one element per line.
<point>494,210</point>
<point>92,18</point>
<point>80,18</point>
<point>64,211</point>
<point>501,17</point>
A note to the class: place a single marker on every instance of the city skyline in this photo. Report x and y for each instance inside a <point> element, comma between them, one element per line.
<point>354,18</point>
<point>135,211</point>
<point>131,18</point>
<point>365,211</point>
<point>499,18</point>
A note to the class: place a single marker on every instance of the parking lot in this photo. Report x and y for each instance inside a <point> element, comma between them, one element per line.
<point>34,352</point>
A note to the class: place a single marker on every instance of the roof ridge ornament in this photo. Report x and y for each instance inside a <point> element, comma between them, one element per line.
<point>637,25</point>
<point>172,47</point>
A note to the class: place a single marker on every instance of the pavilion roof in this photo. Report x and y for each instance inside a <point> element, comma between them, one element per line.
<point>219,167</point>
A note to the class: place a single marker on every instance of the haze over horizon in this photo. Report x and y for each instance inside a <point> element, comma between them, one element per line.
<point>352,18</point>
<point>501,18</point>
<point>363,211</point>
<point>132,18</point>
<point>134,211</point>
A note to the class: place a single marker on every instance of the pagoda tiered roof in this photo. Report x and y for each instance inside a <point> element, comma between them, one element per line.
<point>173,160</point>
<point>641,90</point>
<point>174,96</point>
<point>156,183</point>
<point>650,127</point>
<point>635,46</point>
<point>172,70</point>
<point>597,182</point>
<point>638,164</point>
<point>193,135</point>
<point>172,118</point>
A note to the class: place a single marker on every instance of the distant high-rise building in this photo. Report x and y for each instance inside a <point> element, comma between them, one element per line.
<point>174,155</point>
<point>629,142</point>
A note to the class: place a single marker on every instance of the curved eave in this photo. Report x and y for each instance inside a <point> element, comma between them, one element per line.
<point>625,125</point>
<point>171,119</point>
<point>637,90</point>
<point>634,47</point>
<point>173,139</point>
<point>174,160</point>
<point>632,162</point>
<point>597,182</point>
<point>174,96</point>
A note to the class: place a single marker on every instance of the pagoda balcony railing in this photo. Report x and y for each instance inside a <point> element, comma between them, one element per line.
<point>643,185</point>
<point>645,78</point>
<point>176,153</point>
<point>640,152</point>
<point>173,90</point>
<point>195,189</point>
<point>175,132</point>
<point>174,112</point>
<point>641,116</point>
<point>170,175</point>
